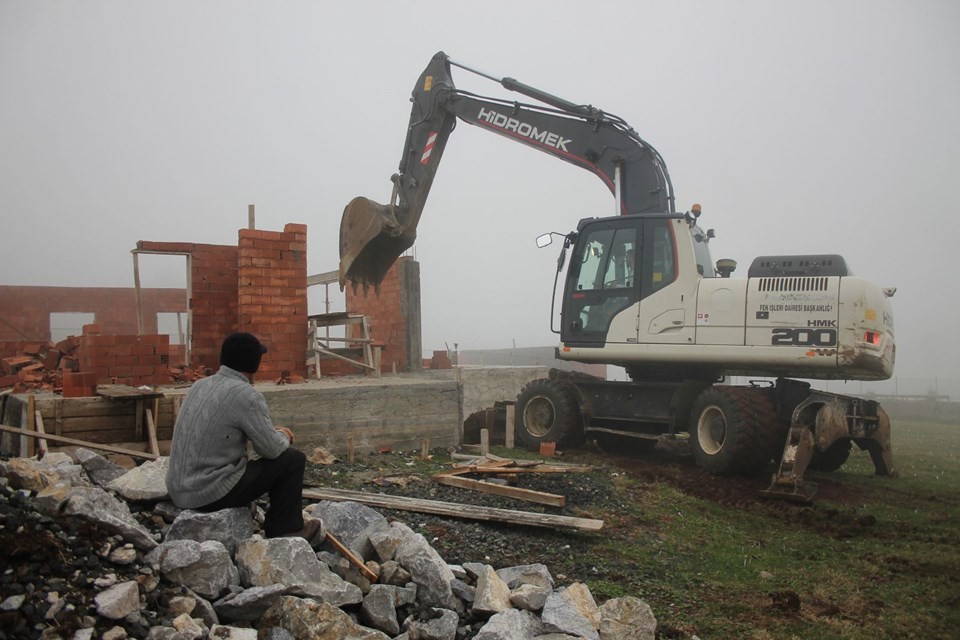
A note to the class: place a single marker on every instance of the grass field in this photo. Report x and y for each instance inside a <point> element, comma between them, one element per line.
<point>871,558</point>
<point>880,559</point>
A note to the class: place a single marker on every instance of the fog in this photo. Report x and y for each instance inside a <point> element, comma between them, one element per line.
<point>801,127</point>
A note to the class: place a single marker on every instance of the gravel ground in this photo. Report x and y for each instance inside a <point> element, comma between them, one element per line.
<point>498,544</point>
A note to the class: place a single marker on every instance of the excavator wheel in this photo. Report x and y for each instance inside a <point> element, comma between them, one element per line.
<point>548,412</point>
<point>731,430</point>
<point>833,458</point>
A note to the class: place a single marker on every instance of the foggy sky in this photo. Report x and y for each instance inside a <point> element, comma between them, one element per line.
<point>801,127</point>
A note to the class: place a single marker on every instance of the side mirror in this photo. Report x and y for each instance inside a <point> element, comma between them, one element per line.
<point>545,240</point>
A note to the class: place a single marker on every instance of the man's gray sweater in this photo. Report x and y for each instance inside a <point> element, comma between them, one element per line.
<point>208,454</point>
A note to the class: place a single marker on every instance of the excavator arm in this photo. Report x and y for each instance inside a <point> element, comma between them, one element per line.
<point>373,235</point>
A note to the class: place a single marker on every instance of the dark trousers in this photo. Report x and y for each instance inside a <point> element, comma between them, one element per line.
<point>280,478</point>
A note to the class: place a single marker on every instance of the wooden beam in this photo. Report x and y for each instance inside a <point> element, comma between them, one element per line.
<point>510,426</point>
<point>540,497</point>
<point>79,443</point>
<point>454,510</point>
<point>31,422</point>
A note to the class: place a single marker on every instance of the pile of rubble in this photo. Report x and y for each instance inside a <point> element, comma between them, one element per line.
<point>39,366</point>
<point>91,549</point>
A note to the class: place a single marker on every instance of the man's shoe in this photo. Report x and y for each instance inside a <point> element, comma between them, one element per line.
<point>309,532</point>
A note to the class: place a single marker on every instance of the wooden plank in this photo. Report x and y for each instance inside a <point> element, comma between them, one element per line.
<point>124,392</point>
<point>537,469</point>
<point>540,497</point>
<point>152,434</point>
<point>484,441</point>
<point>79,443</point>
<point>84,407</point>
<point>454,510</point>
<point>510,428</point>
<point>58,416</point>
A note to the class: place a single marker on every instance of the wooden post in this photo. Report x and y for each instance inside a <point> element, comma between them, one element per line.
<point>251,217</point>
<point>350,449</point>
<point>484,441</point>
<point>31,423</point>
<point>425,450</point>
<point>136,286</point>
<point>152,434</point>
<point>42,442</point>
<point>510,426</point>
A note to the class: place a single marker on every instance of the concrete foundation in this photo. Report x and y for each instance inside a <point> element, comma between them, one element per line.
<point>395,412</point>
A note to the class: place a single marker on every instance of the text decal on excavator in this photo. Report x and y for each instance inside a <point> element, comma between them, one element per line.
<point>523,129</point>
<point>804,337</point>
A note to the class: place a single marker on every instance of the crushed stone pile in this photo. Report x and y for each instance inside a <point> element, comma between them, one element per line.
<point>90,549</point>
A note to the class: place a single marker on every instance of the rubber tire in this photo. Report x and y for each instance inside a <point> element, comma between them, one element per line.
<point>732,430</point>
<point>833,458</point>
<point>547,411</point>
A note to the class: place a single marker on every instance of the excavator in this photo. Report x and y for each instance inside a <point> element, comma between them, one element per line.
<point>641,291</point>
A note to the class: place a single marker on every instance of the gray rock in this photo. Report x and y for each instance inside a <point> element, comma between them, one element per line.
<point>441,626</point>
<point>118,601</point>
<point>291,561</point>
<point>228,526</point>
<point>145,483</point>
<point>379,609</point>
<point>464,591</point>
<point>13,602</point>
<point>511,624</point>
<point>306,619</point>
<point>627,618</point>
<point>250,604</point>
<point>52,499</point>
<point>393,573</point>
<point>537,574</point>
<point>96,505</point>
<point>473,569</point>
<point>351,523</point>
<point>99,470</point>
<point>203,567</point>
<point>164,633</point>
<point>428,570</point>
<point>232,633</point>
<point>493,595</point>
<point>529,597</point>
<point>560,616</point>
<point>189,628</point>
<point>166,510</point>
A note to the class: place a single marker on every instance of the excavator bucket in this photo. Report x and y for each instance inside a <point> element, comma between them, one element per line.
<point>371,240</point>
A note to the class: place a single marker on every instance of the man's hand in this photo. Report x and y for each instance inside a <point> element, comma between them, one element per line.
<point>286,432</point>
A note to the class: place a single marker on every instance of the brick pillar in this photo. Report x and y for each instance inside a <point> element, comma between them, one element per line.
<point>394,315</point>
<point>213,275</point>
<point>273,296</point>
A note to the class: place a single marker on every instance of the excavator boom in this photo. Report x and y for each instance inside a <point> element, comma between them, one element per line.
<point>373,235</point>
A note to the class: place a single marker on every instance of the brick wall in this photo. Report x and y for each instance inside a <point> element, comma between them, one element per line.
<point>25,311</point>
<point>213,280</point>
<point>272,295</point>
<point>394,315</point>
<point>126,359</point>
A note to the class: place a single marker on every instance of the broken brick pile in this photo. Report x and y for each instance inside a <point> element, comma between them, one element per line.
<point>39,366</point>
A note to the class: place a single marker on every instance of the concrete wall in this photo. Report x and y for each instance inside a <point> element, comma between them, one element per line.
<point>483,386</point>
<point>396,413</point>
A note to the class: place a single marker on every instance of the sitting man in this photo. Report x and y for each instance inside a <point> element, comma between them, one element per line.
<point>209,468</point>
